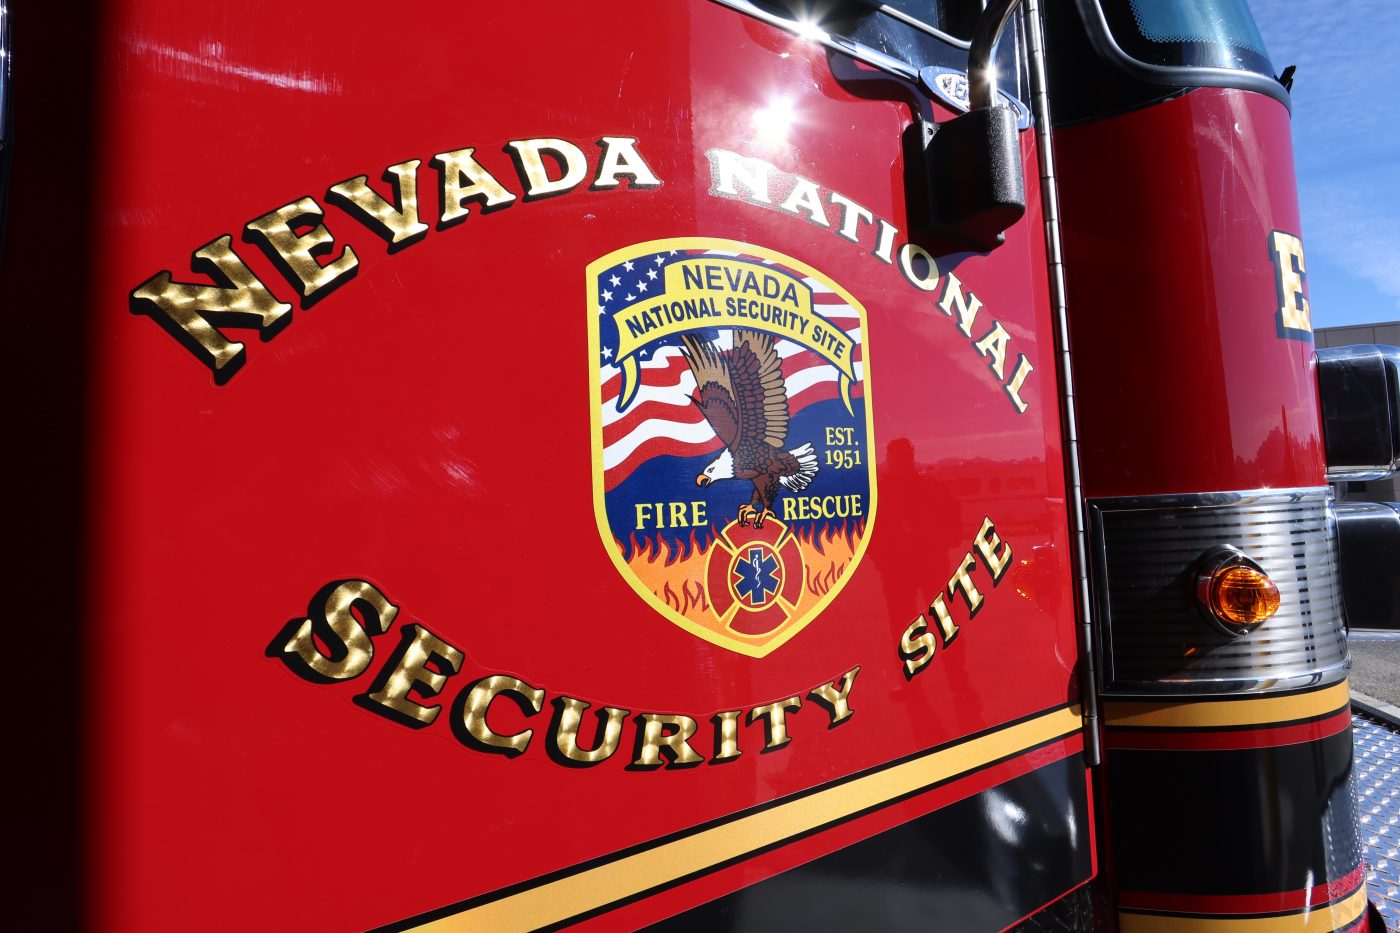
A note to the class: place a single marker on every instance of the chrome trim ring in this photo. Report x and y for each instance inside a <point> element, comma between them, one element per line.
<point>1153,640</point>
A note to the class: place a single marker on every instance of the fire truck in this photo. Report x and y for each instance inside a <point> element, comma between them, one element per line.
<point>702,465</point>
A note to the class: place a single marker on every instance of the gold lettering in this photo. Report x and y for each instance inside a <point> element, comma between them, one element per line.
<point>946,628</point>
<point>408,672</point>
<point>469,720</point>
<point>529,160</point>
<point>726,736</point>
<point>661,734</point>
<point>727,167</point>
<point>836,698</point>
<point>1294,312</point>
<point>775,721</point>
<point>294,254</point>
<point>1018,378</point>
<point>986,543</point>
<point>884,243</point>
<point>460,166</point>
<point>961,581</point>
<point>805,199</point>
<point>967,305</point>
<point>851,216</point>
<point>917,646</point>
<point>929,280</point>
<point>620,157</point>
<point>237,299</point>
<point>396,223</point>
<point>568,714</point>
<point>332,620</point>
<point>993,346</point>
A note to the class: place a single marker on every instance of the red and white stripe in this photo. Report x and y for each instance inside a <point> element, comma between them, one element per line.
<point>661,418</point>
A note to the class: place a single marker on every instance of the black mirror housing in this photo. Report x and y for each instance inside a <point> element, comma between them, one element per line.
<point>973,183</point>
<point>1360,393</point>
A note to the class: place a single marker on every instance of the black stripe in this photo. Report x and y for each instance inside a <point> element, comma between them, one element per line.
<point>1233,821</point>
<point>796,837</point>
<point>979,864</point>
<point>460,906</point>
<point>1222,698</point>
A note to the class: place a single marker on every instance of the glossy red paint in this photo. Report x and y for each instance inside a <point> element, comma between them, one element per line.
<point>1247,904</point>
<point>1184,382</point>
<point>426,428</point>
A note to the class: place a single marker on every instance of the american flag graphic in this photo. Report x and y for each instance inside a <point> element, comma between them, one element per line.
<point>660,418</point>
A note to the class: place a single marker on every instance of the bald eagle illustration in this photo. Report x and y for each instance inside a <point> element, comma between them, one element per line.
<point>742,395</point>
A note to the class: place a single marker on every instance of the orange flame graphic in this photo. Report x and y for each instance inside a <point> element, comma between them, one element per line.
<point>677,576</point>
<point>827,557</point>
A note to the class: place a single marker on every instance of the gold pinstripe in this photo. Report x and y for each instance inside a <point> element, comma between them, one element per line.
<point>1324,919</point>
<point>1207,713</point>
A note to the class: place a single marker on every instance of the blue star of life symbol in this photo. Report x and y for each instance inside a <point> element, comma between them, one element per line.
<point>757,576</point>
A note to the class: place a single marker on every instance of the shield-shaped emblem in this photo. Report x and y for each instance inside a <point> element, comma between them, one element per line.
<point>732,435</point>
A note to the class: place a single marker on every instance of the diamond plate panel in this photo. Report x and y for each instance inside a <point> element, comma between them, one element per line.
<point>1376,776</point>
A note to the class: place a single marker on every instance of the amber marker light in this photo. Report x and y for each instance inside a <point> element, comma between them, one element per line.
<point>1242,595</point>
<point>1234,592</point>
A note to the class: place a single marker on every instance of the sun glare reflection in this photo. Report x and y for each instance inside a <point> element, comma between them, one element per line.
<point>807,28</point>
<point>773,122</point>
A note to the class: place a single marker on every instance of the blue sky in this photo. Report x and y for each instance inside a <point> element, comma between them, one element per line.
<point>1346,142</point>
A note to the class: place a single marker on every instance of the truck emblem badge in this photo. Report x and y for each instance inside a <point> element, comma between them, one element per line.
<point>950,86</point>
<point>732,435</point>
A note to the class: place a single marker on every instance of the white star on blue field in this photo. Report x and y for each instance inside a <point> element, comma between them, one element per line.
<point>637,278</point>
<point>1346,143</point>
